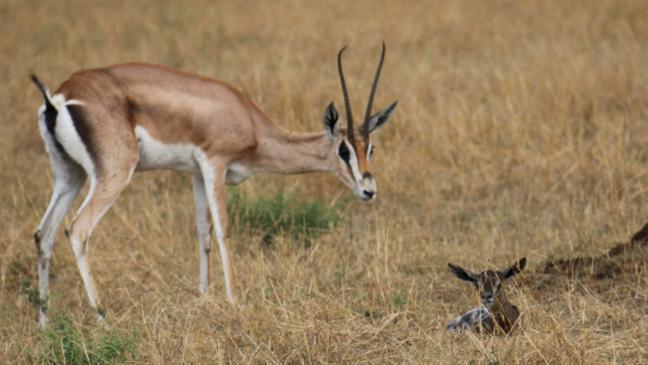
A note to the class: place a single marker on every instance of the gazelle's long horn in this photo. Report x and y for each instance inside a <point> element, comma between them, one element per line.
<point>372,93</point>
<point>345,91</point>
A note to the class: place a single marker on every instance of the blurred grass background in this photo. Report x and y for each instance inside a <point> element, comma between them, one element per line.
<point>521,131</point>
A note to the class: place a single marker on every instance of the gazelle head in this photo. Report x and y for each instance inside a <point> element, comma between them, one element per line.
<point>489,282</point>
<point>351,148</point>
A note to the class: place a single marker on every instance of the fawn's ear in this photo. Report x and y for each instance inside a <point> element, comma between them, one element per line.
<point>462,274</point>
<point>514,269</point>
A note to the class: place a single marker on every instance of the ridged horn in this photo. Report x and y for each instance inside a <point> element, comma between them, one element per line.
<point>372,93</point>
<point>345,91</point>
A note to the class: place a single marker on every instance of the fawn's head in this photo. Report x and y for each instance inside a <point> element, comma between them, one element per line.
<point>489,282</point>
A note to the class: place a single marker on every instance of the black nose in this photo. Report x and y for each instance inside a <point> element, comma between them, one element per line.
<point>369,194</point>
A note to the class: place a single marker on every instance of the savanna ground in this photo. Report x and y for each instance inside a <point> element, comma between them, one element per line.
<point>521,131</point>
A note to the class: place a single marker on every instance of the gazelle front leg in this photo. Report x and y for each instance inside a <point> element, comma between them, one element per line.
<point>203,230</point>
<point>213,172</point>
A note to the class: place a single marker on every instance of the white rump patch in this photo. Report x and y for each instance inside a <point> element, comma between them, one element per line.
<point>67,136</point>
<point>154,154</point>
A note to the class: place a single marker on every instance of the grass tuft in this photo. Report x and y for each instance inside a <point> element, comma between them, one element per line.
<point>399,300</point>
<point>63,342</point>
<point>31,293</point>
<point>283,214</point>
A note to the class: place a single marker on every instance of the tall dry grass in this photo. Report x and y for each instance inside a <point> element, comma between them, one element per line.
<point>521,131</point>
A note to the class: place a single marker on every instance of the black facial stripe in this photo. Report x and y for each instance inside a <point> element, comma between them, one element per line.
<point>347,161</point>
<point>343,152</point>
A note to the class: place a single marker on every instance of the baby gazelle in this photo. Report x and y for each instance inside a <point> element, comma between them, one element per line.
<point>496,313</point>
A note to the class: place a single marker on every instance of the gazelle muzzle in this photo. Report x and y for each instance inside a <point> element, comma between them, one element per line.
<point>367,187</point>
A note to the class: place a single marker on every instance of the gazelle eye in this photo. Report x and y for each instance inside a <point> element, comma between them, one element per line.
<point>343,152</point>
<point>371,151</point>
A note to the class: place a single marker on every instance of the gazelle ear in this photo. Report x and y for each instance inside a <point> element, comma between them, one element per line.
<point>461,273</point>
<point>331,117</point>
<point>514,269</point>
<point>380,118</point>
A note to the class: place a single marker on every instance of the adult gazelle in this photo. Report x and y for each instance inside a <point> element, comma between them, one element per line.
<point>104,124</point>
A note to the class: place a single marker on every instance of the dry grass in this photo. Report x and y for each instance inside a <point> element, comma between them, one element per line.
<point>521,131</point>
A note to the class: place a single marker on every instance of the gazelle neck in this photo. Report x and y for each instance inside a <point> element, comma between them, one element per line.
<point>285,152</point>
<point>504,312</point>
<point>501,301</point>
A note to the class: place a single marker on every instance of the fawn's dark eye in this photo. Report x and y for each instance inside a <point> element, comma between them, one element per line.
<point>343,152</point>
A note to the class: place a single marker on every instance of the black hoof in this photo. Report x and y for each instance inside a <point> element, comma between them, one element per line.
<point>101,313</point>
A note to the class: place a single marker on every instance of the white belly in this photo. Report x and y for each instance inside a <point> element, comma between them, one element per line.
<point>154,154</point>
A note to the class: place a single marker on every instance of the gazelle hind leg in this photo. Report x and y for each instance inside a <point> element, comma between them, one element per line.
<point>103,193</point>
<point>203,230</point>
<point>472,319</point>
<point>69,181</point>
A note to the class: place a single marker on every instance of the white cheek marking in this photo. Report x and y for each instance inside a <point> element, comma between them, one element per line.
<point>158,155</point>
<point>353,162</point>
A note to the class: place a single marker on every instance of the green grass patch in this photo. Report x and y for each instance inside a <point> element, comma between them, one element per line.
<point>64,342</point>
<point>31,293</point>
<point>284,213</point>
<point>399,300</point>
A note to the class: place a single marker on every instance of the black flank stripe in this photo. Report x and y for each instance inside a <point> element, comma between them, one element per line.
<point>84,129</point>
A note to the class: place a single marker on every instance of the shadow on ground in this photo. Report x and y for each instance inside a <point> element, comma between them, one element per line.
<point>614,273</point>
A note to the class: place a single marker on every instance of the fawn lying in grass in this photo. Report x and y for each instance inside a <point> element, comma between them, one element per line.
<point>496,313</point>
